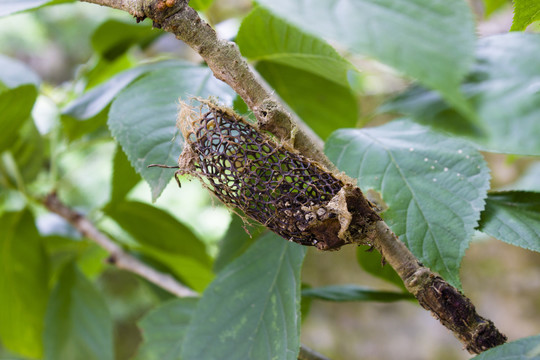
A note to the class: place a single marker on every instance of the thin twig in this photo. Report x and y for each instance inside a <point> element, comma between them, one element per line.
<point>123,260</point>
<point>118,256</point>
<point>310,354</point>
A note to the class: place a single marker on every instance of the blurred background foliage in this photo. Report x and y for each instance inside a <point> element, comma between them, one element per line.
<point>74,48</point>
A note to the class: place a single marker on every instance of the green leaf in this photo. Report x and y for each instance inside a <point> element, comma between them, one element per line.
<point>166,240</point>
<point>143,117</point>
<point>321,103</point>
<point>490,6</point>
<point>372,263</point>
<point>252,309</point>
<point>265,37</point>
<point>525,13</point>
<point>78,325</point>
<point>513,217</point>
<point>434,186</point>
<point>164,329</point>
<point>15,107</point>
<point>102,70</point>
<point>236,241</point>
<point>75,128</point>
<point>14,73</point>
<point>200,5</point>
<point>352,292</point>
<point>124,177</point>
<point>8,7</point>
<point>23,284</point>
<point>413,36</point>
<point>114,37</point>
<point>504,87</point>
<point>29,151</point>
<point>523,349</point>
<point>97,99</point>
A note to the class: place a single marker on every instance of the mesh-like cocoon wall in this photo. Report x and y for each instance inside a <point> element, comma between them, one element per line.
<point>269,182</point>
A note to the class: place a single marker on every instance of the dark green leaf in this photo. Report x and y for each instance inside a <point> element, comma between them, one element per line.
<point>78,325</point>
<point>252,309</point>
<point>23,284</point>
<point>513,217</point>
<point>114,37</point>
<point>164,329</point>
<point>13,6</point>
<point>354,293</point>
<point>371,261</point>
<point>305,302</point>
<point>14,73</point>
<point>434,186</point>
<point>321,103</point>
<point>265,37</point>
<point>504,88</point>
<point>143,117</point>
<point>166,240</point>
<point>235,242</point>
<point>525,13</point>
<point>124,177</point>
<point>15,107</point>
<point>412,36</point>
<point>522,349</point>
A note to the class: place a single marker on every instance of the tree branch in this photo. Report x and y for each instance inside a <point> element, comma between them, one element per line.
<point>118,256</point>
<point>446,303</point>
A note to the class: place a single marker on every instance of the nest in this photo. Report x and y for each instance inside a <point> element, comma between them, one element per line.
<point>269,181</point>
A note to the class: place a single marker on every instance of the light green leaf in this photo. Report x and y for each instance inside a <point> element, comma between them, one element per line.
<point>143,117</point>
<point>165,240</point>
<point>523,349</point>
<point>15,106</point>
<point>372,263</point>
<point>114,37</point>
<point>23,284</point>
<point>200,5</point>
<point>324,105</point>
<point>505,89</point>
<point>414,37</point>
<point>490,6</point>
<point>29,151</point>
<point>265,37</point>
<point>513,217</point>
<point>434,186</point>
<point>14,73</point>
<point>8,7</point>
<point>124,177</point>
<point>78,325</point>
<point>164,329</point>
<point>252,309</point>
<point>351,292</point>
<point>525,13</point>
